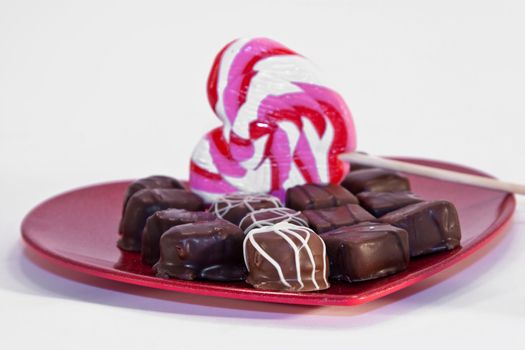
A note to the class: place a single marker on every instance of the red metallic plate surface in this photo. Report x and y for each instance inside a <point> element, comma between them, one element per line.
<point>78,230</point>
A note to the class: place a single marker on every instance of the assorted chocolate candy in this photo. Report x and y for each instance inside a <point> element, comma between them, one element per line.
<point>366,251</point>
<point>313,196</point>
<point>381,203</point>
<point>323,220</point>
<point>209,250</point>
<point>375,180</point>
<point>234,207</point>
<point>286,257</point>
<point>146,202</point>
<point>432,226</point>
<point>324,232</point>
<point>271,216</point>
<point>160,222</point>
<point>150,182</point>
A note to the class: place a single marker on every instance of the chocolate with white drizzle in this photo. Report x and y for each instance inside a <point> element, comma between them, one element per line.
<point>233,207</point>
<point>286,257</point>
<point>271,216</point>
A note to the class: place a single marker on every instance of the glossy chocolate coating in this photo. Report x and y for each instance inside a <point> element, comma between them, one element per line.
<point>150,182</point>
<point>234,207</point>
<point>323,220</point>
<point>375,180</point>
<point>145,203</point>
<point>359,166</point>
<point>271,216</point>
<point>366,251</point>
<point>286,257</point>
<point>381,203</point>
<point>159,223</point>
<point>314,196</point>
<point>431,226</point>
<point>354,166</point>
<point>210,250</point>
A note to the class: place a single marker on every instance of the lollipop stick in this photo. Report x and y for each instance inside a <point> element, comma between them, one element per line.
<point>436,173</point>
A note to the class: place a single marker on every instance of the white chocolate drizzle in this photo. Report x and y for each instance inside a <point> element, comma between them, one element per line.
<point>281,214</point>
<point>222,205</point>
<point>285,230</point>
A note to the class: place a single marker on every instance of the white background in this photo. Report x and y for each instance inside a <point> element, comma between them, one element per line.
<point>107,90</point>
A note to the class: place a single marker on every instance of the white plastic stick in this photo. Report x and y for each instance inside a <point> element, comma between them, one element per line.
<point>422,170</point>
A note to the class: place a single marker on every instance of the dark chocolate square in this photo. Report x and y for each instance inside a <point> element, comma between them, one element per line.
<point>355,165</point>
<point>375,180</point>
<point>381,203</point>
<point>366,251</point>
<point>314,196</point>
<point>159,223</point>
<point>145,203</point>
<point>432,226</point>
<point>210,250</point>
<point>150,182</point>
<point>327,219</point>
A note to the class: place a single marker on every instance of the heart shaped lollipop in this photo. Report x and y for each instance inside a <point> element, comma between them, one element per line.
<point>280,126</point>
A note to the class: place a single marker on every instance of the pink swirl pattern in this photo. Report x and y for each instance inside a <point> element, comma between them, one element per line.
<point>281,126</point>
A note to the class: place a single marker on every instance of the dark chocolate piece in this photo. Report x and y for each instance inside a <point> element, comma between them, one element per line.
<point>354,166</point>
<point>271,216</point>
<point>313,196</point>
<point>286,257</point>
<point>233,207</point>
<point>150,182</point>
<point>323,220</point>
<point>381,203</point>
<point>210,250</point>
<point>359,166</point>
<point>375,180</point>
<point>145,203</point>
<point>366,251</point>
<point>160,222</point>
<point>431,226</point>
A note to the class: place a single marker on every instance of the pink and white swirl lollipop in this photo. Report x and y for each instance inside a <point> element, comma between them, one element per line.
<point>281,126</point>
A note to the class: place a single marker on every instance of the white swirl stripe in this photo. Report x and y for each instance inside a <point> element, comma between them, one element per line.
<point>267,257</point>
<point>308,251</point>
